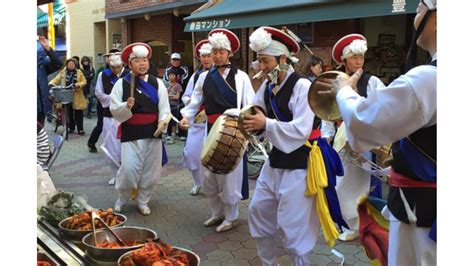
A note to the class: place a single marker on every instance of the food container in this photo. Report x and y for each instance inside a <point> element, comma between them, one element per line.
<point>77,235</point>
<point>126,233</point>
<point>193,258</point>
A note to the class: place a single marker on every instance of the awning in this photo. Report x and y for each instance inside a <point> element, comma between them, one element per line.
<point>59,15</point>
<point>154,8</point>
<point>233,14</point>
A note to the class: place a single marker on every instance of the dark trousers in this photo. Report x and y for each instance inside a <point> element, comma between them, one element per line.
<point>98,127</point>
<point>76,117</point>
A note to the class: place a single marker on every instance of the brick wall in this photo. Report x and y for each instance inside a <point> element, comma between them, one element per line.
<point>157,28</point>
<point>115,6</point>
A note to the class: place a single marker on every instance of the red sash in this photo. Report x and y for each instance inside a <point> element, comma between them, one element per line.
<point>315,133</point>
<point>398,180</point>
<point>138,119</point>
<point>211,119</point>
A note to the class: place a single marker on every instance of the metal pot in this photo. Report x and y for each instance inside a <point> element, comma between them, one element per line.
<point>126,233</point>
<point>77,235</point>
<point>193,258</point>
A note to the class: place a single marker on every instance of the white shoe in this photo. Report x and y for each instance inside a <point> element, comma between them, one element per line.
<point>348,235</point>
<point>118,206</point>
<point>213,221</point>
<point>183,138</point>
<point>112,181</point>
<point>144,210</point>
<point>195,190</point>
<point>226,226</point>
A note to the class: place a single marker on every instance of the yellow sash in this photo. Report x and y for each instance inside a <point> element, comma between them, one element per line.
<point>316,181</point>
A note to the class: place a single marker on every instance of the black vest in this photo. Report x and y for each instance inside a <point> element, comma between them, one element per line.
<point>108,86</point>
<point>213,99</point>
<point>297,159</point>
<point>143,105</point>
<point>362,84</point>
<point>424,199</point>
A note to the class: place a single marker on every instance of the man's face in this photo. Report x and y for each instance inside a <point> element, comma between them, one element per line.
<point>220,56</point>
<point>353,63</point>
<point>172,77</point>
<point>206,61</point>
<point>267,63</point>
<point>139,65</point>
<point>430,28</point>
<point>175,62</point>
<point>116,69</point>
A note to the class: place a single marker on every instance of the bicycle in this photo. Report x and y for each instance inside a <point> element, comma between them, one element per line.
<point>256,158</point>
<point>63,97</point>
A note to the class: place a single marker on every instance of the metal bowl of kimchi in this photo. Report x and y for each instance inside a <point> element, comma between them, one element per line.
<point>159,253</point>
<point>108,248</point>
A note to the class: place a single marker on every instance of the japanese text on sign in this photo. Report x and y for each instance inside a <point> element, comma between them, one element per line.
<point>209,24</point>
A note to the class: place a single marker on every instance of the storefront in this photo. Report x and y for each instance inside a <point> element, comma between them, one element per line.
<point>387,24</point>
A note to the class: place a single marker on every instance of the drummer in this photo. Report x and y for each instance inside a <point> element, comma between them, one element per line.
<point>348,53</point>
<point>221,88</point>
<point>279,205</point>
<point>404,112</point>
<point>139,111</point>
<point>197,133</point>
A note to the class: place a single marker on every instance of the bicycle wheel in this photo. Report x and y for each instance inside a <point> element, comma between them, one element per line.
<point>65,119</point>
<point>254,168</point>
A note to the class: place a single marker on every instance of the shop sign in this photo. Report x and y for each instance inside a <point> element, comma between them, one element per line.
<point>209,24</point>
<point>399,6</point>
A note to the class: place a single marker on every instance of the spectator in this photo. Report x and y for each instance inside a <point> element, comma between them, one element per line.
<point>314,67</point>
<point>71,75</point>
<point>88,71</point>
<point>47,62</point>
<point>43,151</point>
<point>182,74</point>
<point>174,93</point>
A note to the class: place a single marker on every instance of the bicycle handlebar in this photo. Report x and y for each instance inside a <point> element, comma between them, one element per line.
<point>68,87</point>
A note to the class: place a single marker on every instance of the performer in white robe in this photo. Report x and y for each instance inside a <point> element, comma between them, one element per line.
<point>279,206</point>
<point>105,82</point>
<point>197,132</point>
<point>349,52</point>
<point>223,191</point>
<point>404,112</point>
<point>139,116</point>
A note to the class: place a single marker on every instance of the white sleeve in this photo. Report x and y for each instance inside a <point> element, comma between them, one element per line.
<point>163,100</point>
<point>259,98</point>
<point>289,136</point>
<point>99,92</point>
<point>119,109</point>
<point>197,99</point>
<point>389,113</point>
<point>374,83</point>
<point>189,90</point>
<point>248,92</point>
<point>328,130</point>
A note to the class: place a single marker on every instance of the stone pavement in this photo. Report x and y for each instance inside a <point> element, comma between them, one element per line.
<point>176,216</point>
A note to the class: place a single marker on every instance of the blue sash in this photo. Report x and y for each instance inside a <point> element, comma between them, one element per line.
<point>334,168</point>
<point>164,156</point>
<point>146,88</point>
<point>279,115</point>
<point>229,95</point>
<point>245,179</point>
<point>109,73</point>
<point>422,166</point>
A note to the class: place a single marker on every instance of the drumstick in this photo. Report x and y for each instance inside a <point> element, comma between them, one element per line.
<point>132,84</point>
<point>297,39</point>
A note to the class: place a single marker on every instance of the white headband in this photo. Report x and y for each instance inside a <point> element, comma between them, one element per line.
<point>356,47</point>
<point>138,51</point>
<point>219,40</point>
<point>115,60</point>
<point>205,49</point>
<point>262,43</point>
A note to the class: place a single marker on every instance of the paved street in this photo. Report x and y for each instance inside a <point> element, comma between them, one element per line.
<point>176,216</point>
